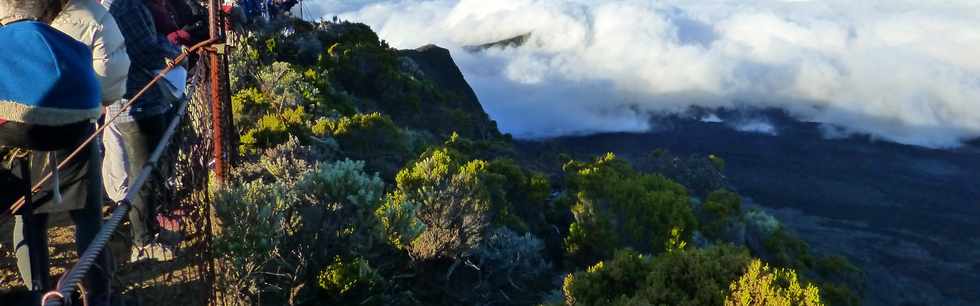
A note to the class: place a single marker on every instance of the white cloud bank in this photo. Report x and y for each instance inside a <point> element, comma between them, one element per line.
<point>907,71</point>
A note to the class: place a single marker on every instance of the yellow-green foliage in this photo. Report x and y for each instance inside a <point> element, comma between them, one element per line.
<point>271,112</point>
<point>282,102</point>
<point>616,207</point>
<point>675,243</point>
<point>452,202</point>
<point>431,170</point>
<point>517,195</point>
<point>281,84</point>
<point>246,104</point>
<point>840,281</point>
<point>275,128</point>
<point>342,277</point>
<point>721,209</point>
<point>686,278</point>
<point>372,137</point>
<point>764,286</point>
<point>399,221</point>
<point>609,283</point>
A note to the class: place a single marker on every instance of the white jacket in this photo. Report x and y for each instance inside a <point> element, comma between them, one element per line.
<point>90,23</point>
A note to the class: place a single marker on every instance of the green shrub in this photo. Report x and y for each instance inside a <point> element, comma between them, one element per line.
<point>720,211</point>
<point>338,208</point>
<point>348,277</point>
<point>399,221</point>
<point>510,264</point>
<point>362,134</point>
<point>452,202</point>
<point>617,207</point>
<point>255,223</point>
<point>342,182</point>
<point>691,277</point>
<point>608,283</point>
<point>274,129</point>
<point>281,82</point>
<point>762,222</point>
<point>788,250</point>
<point>762,286</point>
<point>510,189</point>
<point>700,174</point>
<point>841,282</point>
<point>370,137</point>
<point>247,105</point>
<point>838,294</point>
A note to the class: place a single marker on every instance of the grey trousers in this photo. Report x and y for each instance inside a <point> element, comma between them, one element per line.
<point>128,146</point>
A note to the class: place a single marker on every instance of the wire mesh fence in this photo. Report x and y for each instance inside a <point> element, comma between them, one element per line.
<point>179,185</point>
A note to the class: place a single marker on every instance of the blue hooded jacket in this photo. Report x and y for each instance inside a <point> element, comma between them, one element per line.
<point>46,77</point>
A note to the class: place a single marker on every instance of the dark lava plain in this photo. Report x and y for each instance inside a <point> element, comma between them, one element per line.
<point>909,216</point>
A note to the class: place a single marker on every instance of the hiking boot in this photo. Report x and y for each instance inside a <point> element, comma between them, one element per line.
<point>154,251</point>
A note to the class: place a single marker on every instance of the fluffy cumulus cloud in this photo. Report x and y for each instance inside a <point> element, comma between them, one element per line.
<point>903,70</point>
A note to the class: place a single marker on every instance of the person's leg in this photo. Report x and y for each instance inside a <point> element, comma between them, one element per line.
<point>88,223</point>
<point>115,164</point>
<point>31,245</point>
<point>140,138</point>
<point>133,141</point>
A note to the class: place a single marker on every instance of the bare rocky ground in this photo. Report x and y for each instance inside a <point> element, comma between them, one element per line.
<point>61,247</point>
<point>144,283</point>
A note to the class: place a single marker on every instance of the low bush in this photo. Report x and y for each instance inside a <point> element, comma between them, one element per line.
<point>255,225</point>
<point>691,277</point>
<point>720,212</point>
<point>763,286</point>
<point>451,201</point>
<point>615,206</point>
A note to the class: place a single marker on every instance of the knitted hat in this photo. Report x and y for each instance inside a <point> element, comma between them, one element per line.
<point>46,77</point>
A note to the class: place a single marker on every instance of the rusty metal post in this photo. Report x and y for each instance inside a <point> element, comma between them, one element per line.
<point>215,24</point>
<point>213,9</point>
<point>216,117</point>
<point>216,95</point>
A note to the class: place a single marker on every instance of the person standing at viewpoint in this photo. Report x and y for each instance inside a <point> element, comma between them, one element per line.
<point>49,102</point>
<point>139,129</point>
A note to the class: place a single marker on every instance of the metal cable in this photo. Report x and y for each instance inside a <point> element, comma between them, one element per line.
<point>74,276</point>
<point>4,217</point>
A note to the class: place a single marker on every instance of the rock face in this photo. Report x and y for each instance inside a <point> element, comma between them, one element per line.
<point>422,89</point>
<point>436,64</point>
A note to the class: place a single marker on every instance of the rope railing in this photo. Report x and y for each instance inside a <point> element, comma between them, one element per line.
<point>69,282</point>
<point>21,203</point>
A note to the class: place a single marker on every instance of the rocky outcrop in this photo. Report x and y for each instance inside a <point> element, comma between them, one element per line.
<point>436,64</point>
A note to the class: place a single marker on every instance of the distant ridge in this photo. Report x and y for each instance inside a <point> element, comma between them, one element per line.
<point>513,42</point>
